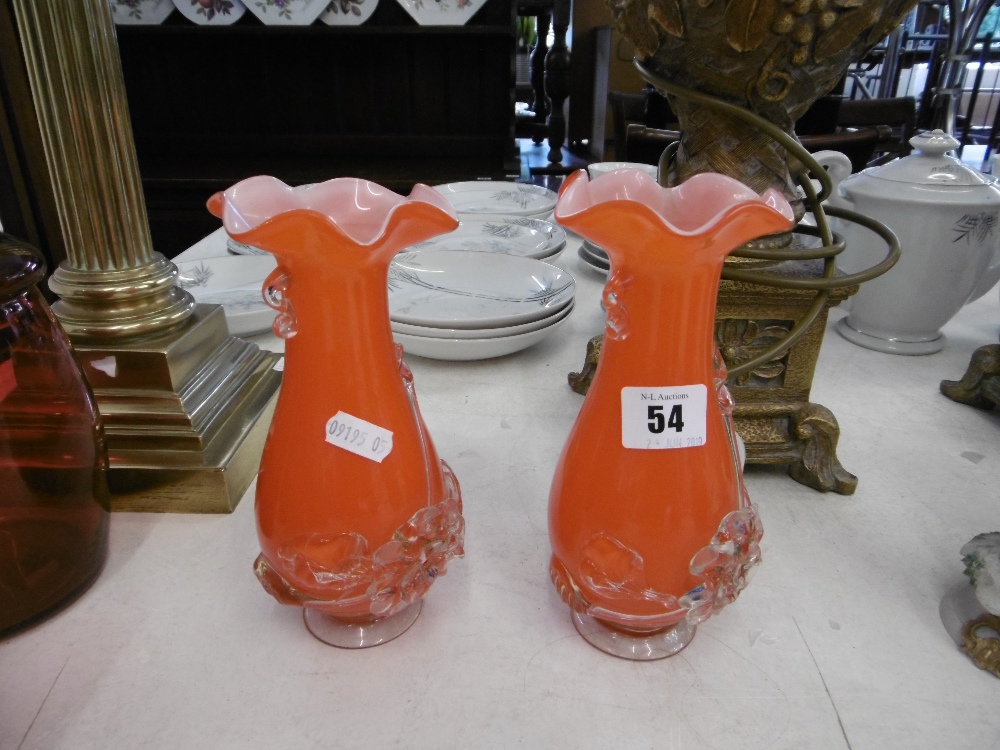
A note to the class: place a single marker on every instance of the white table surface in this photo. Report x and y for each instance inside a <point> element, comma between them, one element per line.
<point>836,643</point>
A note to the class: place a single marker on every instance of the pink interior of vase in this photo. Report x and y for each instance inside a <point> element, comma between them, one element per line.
<point>690,208</point>
<point>359,208</point>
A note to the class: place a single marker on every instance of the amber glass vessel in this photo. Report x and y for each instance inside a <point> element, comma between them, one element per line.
<point>53,483</point>
<point>650,523</point>
<point>356,514</point>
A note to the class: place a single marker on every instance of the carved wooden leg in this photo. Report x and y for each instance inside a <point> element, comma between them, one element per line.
<point>540,103</point>
<point>818,466</point>
<point>557,79</point>
<point>980,386</point>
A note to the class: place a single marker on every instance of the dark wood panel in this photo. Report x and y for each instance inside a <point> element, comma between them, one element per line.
<point>389,101</point>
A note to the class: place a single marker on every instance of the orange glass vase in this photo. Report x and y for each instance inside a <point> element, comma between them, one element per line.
<point>356,514</point>
<point>650,523</point>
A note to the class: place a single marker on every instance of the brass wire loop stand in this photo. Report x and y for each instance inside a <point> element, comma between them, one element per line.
<point>803,166</point>
<point>770,319</point>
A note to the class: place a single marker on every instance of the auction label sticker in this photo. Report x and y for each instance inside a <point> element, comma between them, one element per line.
<point>358,436</point>
<point>664,417</point>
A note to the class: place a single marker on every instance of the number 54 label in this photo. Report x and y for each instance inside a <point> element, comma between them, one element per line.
<point>665,417</point>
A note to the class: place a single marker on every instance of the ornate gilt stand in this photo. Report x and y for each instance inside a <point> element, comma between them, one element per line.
<point>980,385</point>
<point>185,406</point>
<point>773,413</point>
<point>739,75</point>
<point>770,321</point>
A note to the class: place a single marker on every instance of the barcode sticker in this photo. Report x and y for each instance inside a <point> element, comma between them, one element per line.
<point>359,437</point>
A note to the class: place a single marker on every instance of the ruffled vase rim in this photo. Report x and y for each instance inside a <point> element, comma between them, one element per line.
<point>358,209</point>
<point>691,209</point>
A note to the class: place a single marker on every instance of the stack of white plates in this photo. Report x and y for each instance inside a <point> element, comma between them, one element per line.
<point>478,292</point>
<point>456,305</point>
<point>595,257</point>
<point>485,199</point>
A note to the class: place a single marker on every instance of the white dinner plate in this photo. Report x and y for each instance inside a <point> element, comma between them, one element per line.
<point>601,265</point>
<point>469,349</point>
<point>217,13</point>
<point>490,198</point>
<point>348,12</point>
<point>455,289</point>
<point>480,333</point>
<point>596,251</point>
<point>599,169</point>
<point>507,235</point>
<point>287,12</point>
<point>442,12</point>
<point>141,12</point>
<point>234,282</point>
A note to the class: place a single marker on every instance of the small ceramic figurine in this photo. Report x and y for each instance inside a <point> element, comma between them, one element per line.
<point>980,636</point>
<point>981,556</point>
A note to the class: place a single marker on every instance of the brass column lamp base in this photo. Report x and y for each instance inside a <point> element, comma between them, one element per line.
<point>185,406</point>
<point>185,414</point>
<point>98,305</point>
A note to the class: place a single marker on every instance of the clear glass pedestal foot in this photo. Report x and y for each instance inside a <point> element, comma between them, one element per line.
<point>634,646</point>
<point>343,634</point>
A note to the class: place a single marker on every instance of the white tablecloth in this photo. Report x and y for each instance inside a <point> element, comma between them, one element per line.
<point>837,642</point>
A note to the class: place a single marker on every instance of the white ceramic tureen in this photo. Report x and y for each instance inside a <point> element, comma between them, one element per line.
<point>947,218</point>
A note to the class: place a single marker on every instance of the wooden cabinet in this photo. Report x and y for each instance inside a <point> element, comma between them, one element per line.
<point>389,101</point>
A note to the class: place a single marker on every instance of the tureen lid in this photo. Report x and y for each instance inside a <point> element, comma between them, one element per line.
<point>929,164</point>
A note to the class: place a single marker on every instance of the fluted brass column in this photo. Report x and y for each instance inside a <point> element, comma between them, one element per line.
<point>185,405</point>
<point>113,284</point>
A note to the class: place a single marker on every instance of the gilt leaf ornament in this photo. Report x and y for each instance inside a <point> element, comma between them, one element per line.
<point>667,15</point>
<point>844,32</point>
<point>748,23</point>
<point>773,58</point>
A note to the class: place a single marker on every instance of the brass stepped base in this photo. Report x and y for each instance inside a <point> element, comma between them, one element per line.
<point>185,415</point>
<point>185,406</point>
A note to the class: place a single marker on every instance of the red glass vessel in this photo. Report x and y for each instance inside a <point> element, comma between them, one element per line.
<point>53,482</point>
